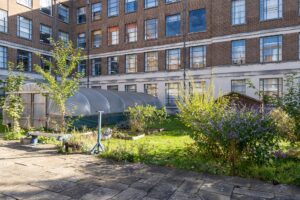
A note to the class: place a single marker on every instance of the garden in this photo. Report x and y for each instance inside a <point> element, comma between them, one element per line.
<point>208,134</point>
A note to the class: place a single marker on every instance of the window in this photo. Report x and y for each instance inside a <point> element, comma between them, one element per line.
<point>113,8</point>
<point>197,20</point>
<point>131,63</point>
<point>63,13</point>
<point>151,61</point>
<point>3,21</point>
<point>97,38</point>
<point>63,36</point>
<point>270,9</point>
<point>81,43</point>
<point>81,15</point>
<point>113,35</point>
<point>3,57</point>
<point>238,86</point>
<point>173,59</point>
<point>151,89</point>
<point>172,93</point>
<point>198,87</point>
<point>25,58</point>
<point>27,3</point>
<point>197,57</point>
<point>130,88</point>
<point>173,25</point>
<point>271,87</point>
<point>96,67</point>
<point>238,12</point>
<point>238,52</point>
<point>82,67</point>
<point>171,1</point>
<point>150,3</point>
<point>130,6</point>
<point>46,63</point>
<point>24,27</point>
<point>96,11</point>
<point>45,34</point>
<point>46,6</point>
<point>131,32</point>
<point>151,29</point>
<point>113,65</point>
<point>271,49</point>
<point>113,87</point>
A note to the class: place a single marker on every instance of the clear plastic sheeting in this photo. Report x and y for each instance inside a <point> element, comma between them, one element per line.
<point>87,102</point>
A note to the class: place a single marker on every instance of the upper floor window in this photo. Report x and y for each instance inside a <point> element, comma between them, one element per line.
<point>130,88</point>
<point>238,15</point>
<point>82,67</point>
<point>113,7</point>
<point>197,20</point>
<point>3,21</point>
<point>131,63</point>
<point>172,93</point>
<point>81,15</point>
<point>238,52</point>
<point>173,25</point>
<point>239,86</point>
<point>173,59</point>
<point>3,57</point>
<point>113,35</point>
<point>81,41</point>
<point>113,65</point>
<point>131,32</point>
<point>24,58</point>
<point>27,3</point>
<point>198,57</point>
<point>151,61</point>
<point>96,67</point>
<point>97,38</point>
<point>130,6</point>
<point>271,49</point>
<point>46,6</point>
<point>270,87</point>
<point>151,89</point>
<point>45,34</point>
<point>270,9</point>
<point>24,28</point>
<point>151,29</point>
<point>63,13</point>
<point>150,3</point>
<point>171,1</point>
<point>63,36</point>
<point>96,11</point>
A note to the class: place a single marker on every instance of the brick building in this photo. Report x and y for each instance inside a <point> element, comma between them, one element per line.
<point>152,46</point>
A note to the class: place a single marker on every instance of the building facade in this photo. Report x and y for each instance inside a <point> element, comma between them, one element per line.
<point>154,46</point>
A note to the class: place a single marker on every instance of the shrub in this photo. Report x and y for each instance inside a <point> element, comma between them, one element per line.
<point>142,117</point>
<point>227,132</point>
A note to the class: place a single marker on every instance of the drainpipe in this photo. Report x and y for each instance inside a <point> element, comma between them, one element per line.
<point>184,43</point>
<point>88,42</point>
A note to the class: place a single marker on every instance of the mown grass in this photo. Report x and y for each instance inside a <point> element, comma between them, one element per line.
<point>174,148</point>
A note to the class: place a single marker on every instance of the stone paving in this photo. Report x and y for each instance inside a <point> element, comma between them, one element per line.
<point>39,173</point>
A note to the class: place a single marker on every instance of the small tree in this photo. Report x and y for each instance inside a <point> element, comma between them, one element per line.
<point>13,103</point>
<point>63,81</point>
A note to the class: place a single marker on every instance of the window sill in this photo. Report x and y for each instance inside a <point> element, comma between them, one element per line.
<point>46,14</point>
<point>151,7</point>
<point>25,38</point>
<point>269,20</point>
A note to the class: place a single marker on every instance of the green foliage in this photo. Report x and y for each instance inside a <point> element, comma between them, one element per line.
<point>142,117</point>
<point>13,103</point>
<point>63,81</point>
<point>14,135</point>
<point>227,132</point>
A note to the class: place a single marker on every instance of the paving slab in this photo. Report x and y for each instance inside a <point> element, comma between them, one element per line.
<point>100,194</point>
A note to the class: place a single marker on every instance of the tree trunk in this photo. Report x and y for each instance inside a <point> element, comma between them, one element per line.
<point>63,123</point>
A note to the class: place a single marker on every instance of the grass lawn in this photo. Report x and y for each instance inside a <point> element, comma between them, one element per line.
<point>174,148</point>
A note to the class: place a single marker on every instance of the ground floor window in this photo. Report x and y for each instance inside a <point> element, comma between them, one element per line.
<point>113,65</point>
<point>172,93</point>
<point>25,58</point>
<point>238,86</point>
<point>197,87</point>
<point>173,59</point>
<point>151,89</point>
<point>96,67</point>
<point>113,87</point>
<point>131,63</point>
<point>3,57</point>
<point>82,67</point>
<point>271,87</point>
<point>130,88</point>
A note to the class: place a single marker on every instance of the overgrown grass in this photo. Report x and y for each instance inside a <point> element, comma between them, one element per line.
<point>174,148</point>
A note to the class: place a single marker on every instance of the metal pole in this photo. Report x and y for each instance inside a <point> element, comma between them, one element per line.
<point>88,42</point>
<point>184,43</point>
<point>98,147</point>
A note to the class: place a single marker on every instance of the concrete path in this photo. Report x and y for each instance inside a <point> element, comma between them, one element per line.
<point>40,173</point>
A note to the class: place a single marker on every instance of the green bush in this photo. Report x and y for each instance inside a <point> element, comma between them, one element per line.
<point>13,135</point>
<point>142,117</point>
